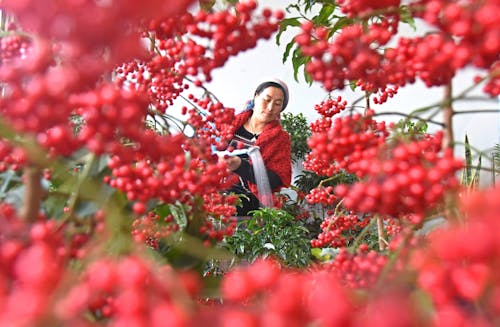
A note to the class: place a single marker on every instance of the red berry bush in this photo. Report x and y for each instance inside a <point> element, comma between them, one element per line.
<point>110,202</point>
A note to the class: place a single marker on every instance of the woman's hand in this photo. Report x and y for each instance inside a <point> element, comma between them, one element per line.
<point>232,162</point>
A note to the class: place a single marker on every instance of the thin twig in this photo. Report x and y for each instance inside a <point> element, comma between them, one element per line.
<point>409,116</point>
<point>478,111</point>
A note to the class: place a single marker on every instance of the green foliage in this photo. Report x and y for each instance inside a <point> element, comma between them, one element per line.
<point>272,233</point>
<point>303,184</point>
<point>470,178</point>
<point>308,180</point>
<point>324,254</point>
<point>299,130</point>
<point>408,130</point>
<point>496,156</point>
<point>406,16</point>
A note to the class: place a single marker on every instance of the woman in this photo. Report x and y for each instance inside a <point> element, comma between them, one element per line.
<point>259,126</point>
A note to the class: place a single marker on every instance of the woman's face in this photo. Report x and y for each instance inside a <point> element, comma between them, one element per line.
<point>268,104</point>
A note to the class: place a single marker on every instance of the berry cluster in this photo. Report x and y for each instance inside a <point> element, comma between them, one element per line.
<point>220,204</point>
<point>322,195</point>
<point>350,139</point>
<point>425,57</point>
<point>12,157</point>
<point>36,92</point>
<point>177,179</point>
<point>14,46</point>
<point>229,33</point>
<point>492,85</point>
<point>385,94</point>
<point>319,166</point>
<point>193,45</point>
<point>211,121</point>
<point>321,125</point>
<point>409,178</point>
<point>351,56</point>
<point>243,284</point>
<point>150,229</point>
<point>32,259</point>
<point>358,270</point>
<point>221,223</point>
<point>274,296</point>
<point>473,25</point>
<point>84,38</point>
<point>338,231</point>
<point>278,297</point>
<point>465,34</point>
<point>330,107</point>
<point>119,292</point>
<point>459,264</point>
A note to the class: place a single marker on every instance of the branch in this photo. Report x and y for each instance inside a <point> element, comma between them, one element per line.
<point>461,96</point>
<point>448,117</point>
<point>381,233</point>
<point>32,195</point>
<point>478,111</point>
<point>409,116</point>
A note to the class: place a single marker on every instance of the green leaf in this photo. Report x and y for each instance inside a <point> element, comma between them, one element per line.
<point>206,5</point>
<point>341,23</point>
<point>298,60</point>
<point>8,178</point>
<point>406,17</point>
<point>269,246</point>
<point>288,48</point>
<point>284,24</point>
<point>352,85</point>
<point>467,177</point>
<point>475,178</point>
<point>323,18</point>
<point>421,126</point>
<point>86,208</point>
<point>99,165</point>
<point>179,215</point>
<point>308,77</point>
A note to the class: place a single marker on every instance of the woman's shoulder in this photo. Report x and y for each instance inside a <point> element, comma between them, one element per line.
<point>277,133</point>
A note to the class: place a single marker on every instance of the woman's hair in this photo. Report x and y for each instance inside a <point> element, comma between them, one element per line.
<point>276,83</point>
